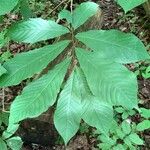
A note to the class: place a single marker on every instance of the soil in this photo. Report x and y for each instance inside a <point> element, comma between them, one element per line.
<point>114,18</point>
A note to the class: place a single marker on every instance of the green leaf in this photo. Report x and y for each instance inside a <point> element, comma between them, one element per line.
<point>26,64</point>
<point>5,56</point>
<point>126,127</point>
<point>120,133</point>
<point>133,147</point>
<point>65,14</point>
<point>4,117</point>
<point>145,113</point>
<point>83,12</point>
<point>114,126</point>
<point>35,30</point>
<point>15,143</point>
<point>125,115</point>
<point>39,95</point>
<point>112,82</point>
<point>11,129</point>
<point>2,70</point>
<point>128,5</point>
<point>146,75</point>
<point>104,146</point>
<point>144,125</point>
<point>114,45</point>
<point>25,9</point>
<point>127,141</point>
<point>67,116</point>
<point>7,5</point>
<point>97,114</point>
<point>2,39</point>
<point>136,139</point>
<point>3,145</point>
<point>119,147</point>
<point>131,112</point>
<point>107,139</point>
<point>119,110</point>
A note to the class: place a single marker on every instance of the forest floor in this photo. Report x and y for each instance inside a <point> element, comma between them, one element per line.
<point>134,21</point>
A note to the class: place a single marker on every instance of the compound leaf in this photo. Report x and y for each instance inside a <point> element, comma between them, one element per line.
<point>34,30</point>
<point>114,45</point>
<point>82,13</point>
<point>24,65</point>
<point>7,5</point>
<point>111,82</point>
<point>39,95</point>
<point>130,4</point>
<point>67,116</point>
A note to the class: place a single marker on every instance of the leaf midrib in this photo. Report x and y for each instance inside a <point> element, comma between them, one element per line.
<point>106,42</point>
<point>87,58</point>
<point>37,97</point>
<point>30,62</point>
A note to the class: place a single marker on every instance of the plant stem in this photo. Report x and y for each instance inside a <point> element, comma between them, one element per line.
<point>146,6</point>
<point>3,99</point>
<point>71,6</point>
<point>56,7</point>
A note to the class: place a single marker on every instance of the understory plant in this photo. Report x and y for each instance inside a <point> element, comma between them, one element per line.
<point>129,5</point>
<point>85,84</point>
<point>124,134</point>
<point>13,142</point>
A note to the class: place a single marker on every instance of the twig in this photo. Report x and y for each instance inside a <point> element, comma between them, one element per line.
<point>57,6</point>
<point>142,26</point>
<point>71,6</point>
<point>3,99</point>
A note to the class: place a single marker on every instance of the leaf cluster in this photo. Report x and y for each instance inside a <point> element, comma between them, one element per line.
<point>97,79</point>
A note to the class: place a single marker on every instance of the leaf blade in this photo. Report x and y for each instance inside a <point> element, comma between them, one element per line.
<point>7,5</point>
<point>97,114</point>
<point>127,6</point>
<point>88,9</point>
<point>15,143</point>
<point>65,14</point>
<point>67,116</point>
<point>136,139</point>
<point>112,82</point>
<point>3,145</point>
<point>144,125</point>
<point>26,64</point>
<point>39,95</point>
<point>35,30</point>
<point>2,70</point>
<point>145,113</point>
<point>94,111</point>
<point>125,47</point>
